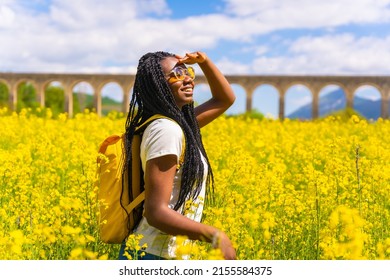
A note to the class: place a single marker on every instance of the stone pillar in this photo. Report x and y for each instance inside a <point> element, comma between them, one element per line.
<point>13,96</point>
<point>68,91</point>
<point>126,97</point>
<point>349,97</point>
<point>282,94</point>
<point>41,94</point>
<point>249,91</point>
<point>315,105</point>
<point>248,105</point>
<point>385,108</point>
<point>97,100</point>
<point>249,97</point>
<point>385,102</point>
<point>385,94</point>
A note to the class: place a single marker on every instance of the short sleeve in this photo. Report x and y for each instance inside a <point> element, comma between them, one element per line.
<point>162,137</point>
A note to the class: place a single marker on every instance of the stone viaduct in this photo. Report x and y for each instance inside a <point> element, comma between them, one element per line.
<point>349,84</point>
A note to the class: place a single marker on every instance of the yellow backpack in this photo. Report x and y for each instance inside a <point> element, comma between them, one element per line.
<point>115,222</point>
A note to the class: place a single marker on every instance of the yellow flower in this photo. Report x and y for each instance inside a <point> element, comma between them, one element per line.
<point>283,189</point>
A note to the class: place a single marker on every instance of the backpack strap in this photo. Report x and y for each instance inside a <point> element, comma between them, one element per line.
<point>135,202</point>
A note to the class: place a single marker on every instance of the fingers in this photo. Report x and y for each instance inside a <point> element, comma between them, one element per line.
<point>226,247</point>
<point>182,59</point>
<point>187,58</point>
<point>229,253</point>
<point>191,58</point>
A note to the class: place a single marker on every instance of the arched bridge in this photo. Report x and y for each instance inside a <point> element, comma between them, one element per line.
<point>349,84</point>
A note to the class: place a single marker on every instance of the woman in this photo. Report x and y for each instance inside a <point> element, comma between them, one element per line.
<point>174,196</point>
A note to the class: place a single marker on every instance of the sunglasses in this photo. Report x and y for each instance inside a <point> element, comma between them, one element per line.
<point>179,73</point>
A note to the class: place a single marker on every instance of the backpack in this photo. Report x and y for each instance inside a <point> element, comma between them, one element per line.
<point>115,222</point>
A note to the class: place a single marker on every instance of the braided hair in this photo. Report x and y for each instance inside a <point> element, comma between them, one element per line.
<point>152,95</point>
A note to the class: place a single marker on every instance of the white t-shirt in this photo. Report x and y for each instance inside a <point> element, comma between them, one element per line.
<point>164,137</point>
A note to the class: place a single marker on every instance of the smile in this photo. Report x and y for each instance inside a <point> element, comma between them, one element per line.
<point>188,90</point>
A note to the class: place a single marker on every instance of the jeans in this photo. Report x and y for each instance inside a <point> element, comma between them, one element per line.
<point>146,256</point>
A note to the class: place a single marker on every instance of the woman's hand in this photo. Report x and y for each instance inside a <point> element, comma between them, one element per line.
<point>226,246</point>
<point>191,58</point>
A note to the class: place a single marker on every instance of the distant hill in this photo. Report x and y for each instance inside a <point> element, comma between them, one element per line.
<point>336,101</point>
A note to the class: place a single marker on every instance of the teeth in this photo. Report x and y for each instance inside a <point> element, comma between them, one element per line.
<point>188,90</point>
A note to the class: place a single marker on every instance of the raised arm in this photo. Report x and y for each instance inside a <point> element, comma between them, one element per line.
<point>222,93</point>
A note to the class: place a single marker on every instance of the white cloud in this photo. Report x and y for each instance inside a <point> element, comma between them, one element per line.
<point>346,52</point>
<point>110,36</point>
<point>7,16</point>
<point>332,54</point>
<point>233,67</point>
<point>316,13</point>
<point>91,13</point>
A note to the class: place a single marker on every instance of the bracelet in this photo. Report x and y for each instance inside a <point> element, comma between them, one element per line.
<point>215,239</point>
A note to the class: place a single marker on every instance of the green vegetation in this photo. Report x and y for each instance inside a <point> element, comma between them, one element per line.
<point>55,100</point>
<point>253,114</point>
<point>345,114</point>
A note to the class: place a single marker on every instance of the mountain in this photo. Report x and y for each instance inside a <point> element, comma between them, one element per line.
<point>336,101</point>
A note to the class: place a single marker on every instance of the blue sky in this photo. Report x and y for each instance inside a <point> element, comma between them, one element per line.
<point>263,37</point>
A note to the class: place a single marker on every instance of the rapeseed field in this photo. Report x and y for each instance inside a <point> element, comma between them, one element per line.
<point>283,189</point>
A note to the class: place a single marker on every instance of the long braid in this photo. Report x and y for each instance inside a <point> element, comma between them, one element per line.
<point>152,95</point>
<point>188,111</point>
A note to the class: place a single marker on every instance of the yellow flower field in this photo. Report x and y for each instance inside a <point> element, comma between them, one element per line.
<point>283,190</point>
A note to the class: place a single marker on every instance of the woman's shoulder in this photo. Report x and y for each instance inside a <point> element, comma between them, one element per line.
<point>164,126</point>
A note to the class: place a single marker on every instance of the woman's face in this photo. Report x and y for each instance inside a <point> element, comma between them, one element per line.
<point>182,90</point>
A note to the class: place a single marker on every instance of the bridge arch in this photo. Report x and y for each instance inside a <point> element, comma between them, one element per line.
<point>265,100</point>
<point>332,98</point>
<point>300,102</point>
<point>53,95</point>
<point>368,94</point>
<point>113,91</point>
<point>83,90</point>
<point>246,83</point>
<point>21,93</point>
